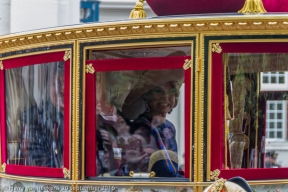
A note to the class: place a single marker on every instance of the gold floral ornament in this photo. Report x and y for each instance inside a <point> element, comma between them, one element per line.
<point>187,64</point>
<point>216,48</point>
<point>90,68</point>
<point>67,55</point>
<point>66,173</point>
<point>138,12</point>
<point>253,6</point>
<point>214,174</point>
<point>1,65</point>
<point>4,168</point>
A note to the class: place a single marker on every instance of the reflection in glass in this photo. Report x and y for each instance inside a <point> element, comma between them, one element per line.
<point>34,114</point>
<point>138,117</point>
<point>141,53</point>
<point>259,97</point>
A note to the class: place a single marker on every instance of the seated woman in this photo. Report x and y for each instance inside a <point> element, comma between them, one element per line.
<point>149,102</point>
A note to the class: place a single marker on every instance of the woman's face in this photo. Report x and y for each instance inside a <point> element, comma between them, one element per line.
<point>57,89</point>
<point>162,98</point>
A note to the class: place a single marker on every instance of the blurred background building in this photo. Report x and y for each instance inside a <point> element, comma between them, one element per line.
<point>25,15</point>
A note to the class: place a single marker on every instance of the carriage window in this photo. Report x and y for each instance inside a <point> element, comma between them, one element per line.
<point>140,125</point>
<point>34,115</point>
<point>135,115</point>
<point>256,110</point>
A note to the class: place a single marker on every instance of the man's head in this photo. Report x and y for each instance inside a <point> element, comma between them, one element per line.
<point>57,85</point>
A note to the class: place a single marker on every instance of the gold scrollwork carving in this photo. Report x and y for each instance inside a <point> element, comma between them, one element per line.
<point>214,174</point>
<point>187,64</point>
<point>150,175</point>
<point>67,55</point>
<point>90,68</point>
<point>1,65</point>
<point>131,173</point>
<point>3,168</point>
<point>133,189</point>
<point>216,48</point>
<point>66,173</point>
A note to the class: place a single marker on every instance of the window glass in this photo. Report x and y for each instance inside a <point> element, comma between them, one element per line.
<point>138,118</point>
<point>141,53</point>
<point>257,103</point>
<point>34,98</point>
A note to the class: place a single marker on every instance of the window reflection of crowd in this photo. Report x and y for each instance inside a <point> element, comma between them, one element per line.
<point>148,131</point>
<point>35,115</point>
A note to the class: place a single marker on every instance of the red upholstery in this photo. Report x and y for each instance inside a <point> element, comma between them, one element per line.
<point>178,7</point>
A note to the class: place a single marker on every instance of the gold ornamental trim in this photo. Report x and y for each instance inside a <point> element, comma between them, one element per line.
<point>90,68</point>
<point>215,174</point>
<point>66,173</point>
<point>67,55</point>
<point>254,24</point>
<point>216,48</point>
<point>1,65</point>
<point>187,64</point>
<point>3,168</point>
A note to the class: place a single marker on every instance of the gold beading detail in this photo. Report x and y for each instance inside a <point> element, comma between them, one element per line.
<point>169,26</point>
<point>75,115</point>
<point>90,68</point>
<point>66,173</point>
<point>216,48</point>
<point>67,55</point>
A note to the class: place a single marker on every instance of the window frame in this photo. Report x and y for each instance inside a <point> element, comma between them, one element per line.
<point>31,60</point>
<point>217,116</point>
<point>123,65</point>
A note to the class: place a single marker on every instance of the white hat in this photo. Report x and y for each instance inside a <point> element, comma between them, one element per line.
<point>134,103</point>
